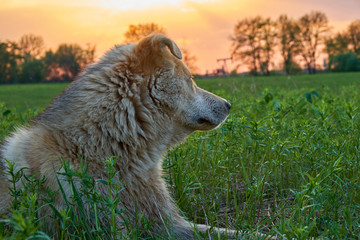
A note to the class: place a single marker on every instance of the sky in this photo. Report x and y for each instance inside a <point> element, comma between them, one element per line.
<point>203,27</point>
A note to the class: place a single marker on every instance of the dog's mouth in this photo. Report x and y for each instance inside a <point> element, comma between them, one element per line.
<point>203,120</point>
<point>207,123</point>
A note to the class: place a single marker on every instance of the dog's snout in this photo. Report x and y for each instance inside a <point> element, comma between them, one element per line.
<point>228,105</point>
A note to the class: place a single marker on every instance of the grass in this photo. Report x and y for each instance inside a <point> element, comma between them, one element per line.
<point>25,96</point>
<point>334,81</point>
<point>285,163</point>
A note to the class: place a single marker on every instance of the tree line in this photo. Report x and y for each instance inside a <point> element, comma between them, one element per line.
<point>258,41</point>
<point>27,60</point>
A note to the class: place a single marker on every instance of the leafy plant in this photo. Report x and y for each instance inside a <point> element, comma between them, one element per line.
<point>286,162</point>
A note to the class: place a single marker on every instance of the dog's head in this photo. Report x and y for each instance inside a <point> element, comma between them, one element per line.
<point>170,85</point>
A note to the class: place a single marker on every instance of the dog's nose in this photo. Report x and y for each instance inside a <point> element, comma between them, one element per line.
<point>228,105</point>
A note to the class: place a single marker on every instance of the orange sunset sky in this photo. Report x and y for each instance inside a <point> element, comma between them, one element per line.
<point>201,26</point>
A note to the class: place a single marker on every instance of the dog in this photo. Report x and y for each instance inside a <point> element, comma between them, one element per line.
<point>135,103</point>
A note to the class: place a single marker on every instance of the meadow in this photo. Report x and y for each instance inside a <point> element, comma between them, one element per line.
<point>286,163</point>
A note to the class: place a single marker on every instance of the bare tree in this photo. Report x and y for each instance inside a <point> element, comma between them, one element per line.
<point>288,31</point>
<point>88,55</point>
<point>254,41</point>
<point>268,42</point>
<point>313,28</point>
<point>246,45</point>
<point>137,32</point>
<point>190,61</point>
<point>354,35</point>
<point>31,46</point>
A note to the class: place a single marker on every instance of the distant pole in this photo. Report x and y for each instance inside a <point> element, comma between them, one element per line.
<point>224,68</point>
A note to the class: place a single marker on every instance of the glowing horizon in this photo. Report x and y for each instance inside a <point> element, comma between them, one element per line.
<point>202,26</point>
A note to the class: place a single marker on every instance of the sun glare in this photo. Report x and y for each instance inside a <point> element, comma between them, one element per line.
<point>137,4</point>
<point>144,4</point>
<point>115,4</point>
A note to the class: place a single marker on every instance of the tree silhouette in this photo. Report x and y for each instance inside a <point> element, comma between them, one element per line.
<point>67,61</point>
<point>354,35</point>
<point>137,32</point>
<point>313,28</point>
<point>246,42</point>
<point>343,49</point>
<point>9,62</point>
<point>268,35</point>
<point>31,46</point>
<point>288,31</point>
<point>254,42</point>
<point>32,71</point>
<point>337,44</point>
<point>190,61</point>
<point>31,49</point>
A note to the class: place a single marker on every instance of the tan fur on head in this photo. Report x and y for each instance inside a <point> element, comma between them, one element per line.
<point>152,52</point>
<point>136,102</point>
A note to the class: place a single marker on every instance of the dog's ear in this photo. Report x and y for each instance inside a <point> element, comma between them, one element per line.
<point>152,52</point>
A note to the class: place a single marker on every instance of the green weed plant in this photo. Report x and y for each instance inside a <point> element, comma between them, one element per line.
<point>285,163</point>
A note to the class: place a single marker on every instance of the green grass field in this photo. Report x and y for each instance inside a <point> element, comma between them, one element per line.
<point>257,84</point>
<point>285,163</point>
<point>24,96</point>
